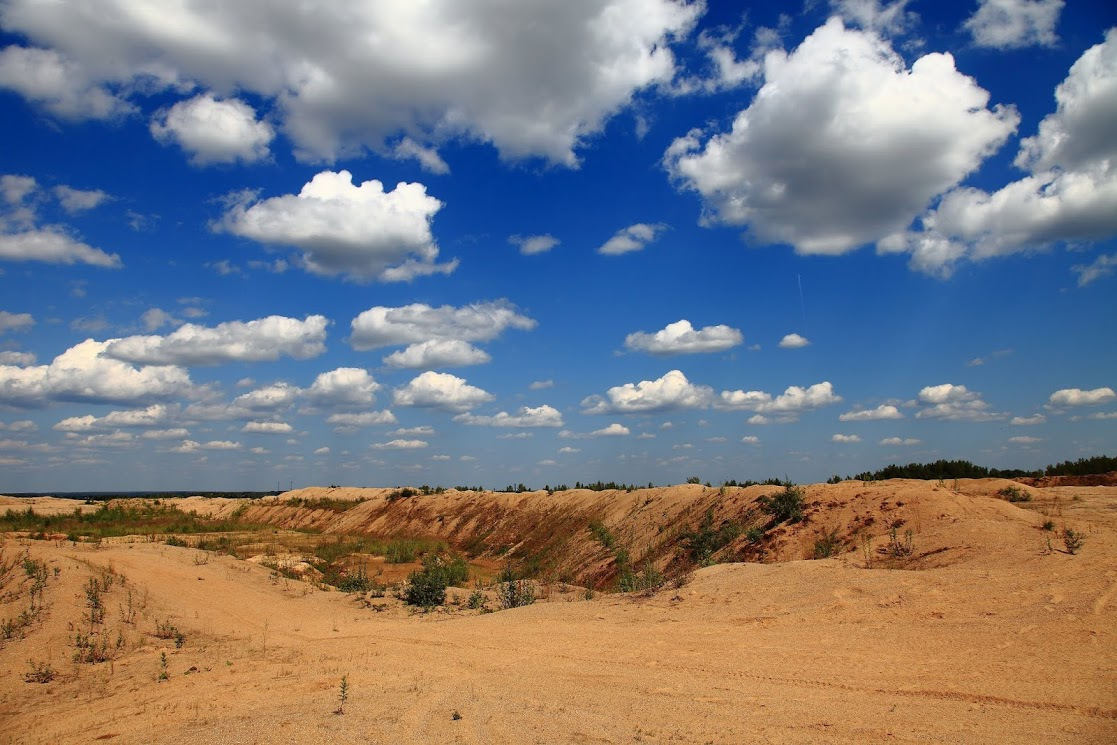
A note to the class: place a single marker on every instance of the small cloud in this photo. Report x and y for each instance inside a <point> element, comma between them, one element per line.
<point>1025,440</point>
<point>400,445</point>
<point>540,385</point>
<point>533,244</point>
<point>1024,421</point>
<point>613,430</point>
<point>1079,397</point>
<point>884,411</point>
<point>633,238</point>
<point>845,438</point>
<point>322,451</point>
<point>793,341</point>
<point>908,441</point>
<point>750,440</point>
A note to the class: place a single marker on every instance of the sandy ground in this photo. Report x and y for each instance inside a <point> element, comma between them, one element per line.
<point>997,638</point>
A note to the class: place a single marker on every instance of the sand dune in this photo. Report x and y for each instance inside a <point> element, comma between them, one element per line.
<point>987,635</point>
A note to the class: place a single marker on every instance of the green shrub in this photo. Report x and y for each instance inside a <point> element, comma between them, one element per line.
<point>827,545</point>
<point>516,593</point>
<point>784,506</point>
<point>426,587</point>
<point>1073,540</point>
<point>706,540</point>
<point>1014,493</point>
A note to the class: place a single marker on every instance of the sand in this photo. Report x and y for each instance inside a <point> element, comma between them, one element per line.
<point>988,635</point>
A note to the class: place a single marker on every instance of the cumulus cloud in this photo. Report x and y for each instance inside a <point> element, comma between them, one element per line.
<point>345,386</point>
<point>613,430</point>
<point>60,85</point>
<point>539,385</point>
<point>672,391</point>
<point>84,373</point>
<point>174,433</point>
<point>891,18</point>
<point>1025,440</point>
<point>438,353</point>
<point>903,441</point>
<point>793,341</point>
<point>441,391</point>
<point>633,238</point>
<point>268,428</point>
<point>213,130</point>
<point>750,440</point>
<point>534,244</point>
<point>382,326</point>
<point>792,402</point>
<point>20,359</point>
<point>154,319</point>
<point>24,238</point>
<point>539,416</point>
<point>151,416</point>
<point>400,445</point>
<point>1079,397</point>
<point>682,338</point>
<point>884,411</point>
<point>350,421</point>
<point>812,161</point>
<point>954,402</point>
<point>79,200</point>
<point>233,341</point>
<point>350,77</point>
<point>1024,421</point>
<point>192,446</point>
<point>15,321</point>
<point>1069,194</point>
<point>845,439</point>
<point>22,425</point>
<point>362,232</point>
<point>1008,24</point>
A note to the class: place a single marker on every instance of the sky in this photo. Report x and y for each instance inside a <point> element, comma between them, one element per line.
<point>492,242</point>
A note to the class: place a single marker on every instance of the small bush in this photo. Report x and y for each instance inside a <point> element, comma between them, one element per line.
<point>1048,525</point>
<point>827,545</point>
<point>476,600</point>
<point>1014,493</point>
<point>784,506</point>
<point>706,540</point>
<point>427,586</point>
<point>516,593</point>
<point>40,672</point>
<point>1073,540</point>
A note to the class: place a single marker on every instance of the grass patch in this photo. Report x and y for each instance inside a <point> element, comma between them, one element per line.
<point>110,521</point>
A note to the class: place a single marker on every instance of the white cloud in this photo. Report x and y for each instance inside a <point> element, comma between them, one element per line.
<point>156,318</point>
<point>1079,397</point>
<point>613,430</point>
<point>681,338</point>
<point>534,244</point>
<point>239,341</point>
<point>15,321</point>
<point>52,245</point>
<point>1102,266</point>
<point>350,421</point>
<point>954,402</point>
<point>151,416</point>
<point>1069,194</point>
<point>539,385</point>
<point>1024,421</point>
<point>214,131</point>
<point>416,323</point>
<point>890,18</point>
<point>399,445</point>
<point>750,440</point>
<point>1007,24</point>
<point>441,391</point>
<point>793,401</point>
<point>345,386</point>
<point>363,232</point>
<point>268,428</point>
<point>437,353</point>
<point>569,450</point>
<point>672,391</point>
<point>269,398</point>
<point>428,157</point>
<point>539,416</point>
<point>192,446</point>
<point>845,439</point>
<point>79,200</point>
<point>22,425</point>
<point>322,451</point>
<point>58,84</point>
<point>793,341</point>
<point>20,359</point>
<point>812,161</point>
<point>175,433</point>
<point>884,411</point>
<point>83,373</point>
<point>420,431</point>
<point>906,442</point>
<point>633,238</point>
<point>1025,440</point>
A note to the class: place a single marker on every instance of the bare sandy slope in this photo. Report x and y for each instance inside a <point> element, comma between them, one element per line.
<point>995,639</point>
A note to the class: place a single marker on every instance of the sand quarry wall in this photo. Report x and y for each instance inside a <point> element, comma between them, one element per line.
<point>552,531</point>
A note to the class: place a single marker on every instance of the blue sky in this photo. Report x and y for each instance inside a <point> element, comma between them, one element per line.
<point>488,243</point>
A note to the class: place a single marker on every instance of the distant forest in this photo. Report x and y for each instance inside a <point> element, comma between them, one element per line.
<point>963,469</point>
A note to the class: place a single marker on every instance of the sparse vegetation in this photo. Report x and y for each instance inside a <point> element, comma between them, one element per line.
<point>342,695</point>
<point>39,672</point>
<point>827,545</point>
<point>706,540</point>
<point>426,587</point>
<point>1073,540</point>
<point>786,505</point>
<point>515,593</point>
<point>1014,493</point>
<point>148,518</point>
